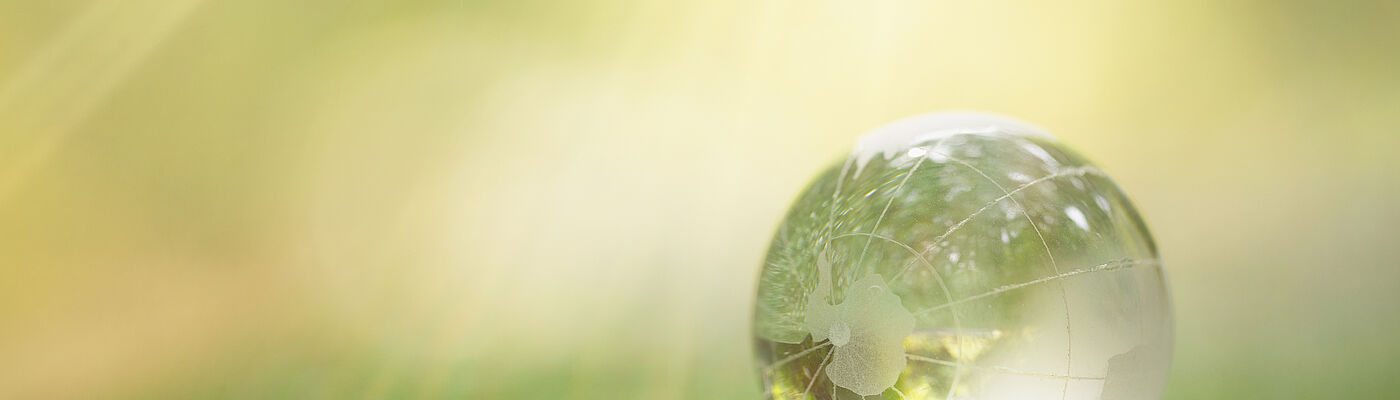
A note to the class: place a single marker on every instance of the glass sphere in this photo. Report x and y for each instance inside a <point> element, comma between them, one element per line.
<point>962,256</point>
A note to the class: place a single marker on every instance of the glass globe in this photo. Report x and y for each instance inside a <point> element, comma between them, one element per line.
<point>962,256</point>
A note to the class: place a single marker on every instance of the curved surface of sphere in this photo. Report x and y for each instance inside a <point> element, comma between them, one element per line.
<point>963,256</point>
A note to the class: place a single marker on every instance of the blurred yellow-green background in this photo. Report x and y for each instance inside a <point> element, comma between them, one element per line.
<point>529,199</point>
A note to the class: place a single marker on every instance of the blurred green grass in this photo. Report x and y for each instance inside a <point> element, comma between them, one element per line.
<point>528,199</point>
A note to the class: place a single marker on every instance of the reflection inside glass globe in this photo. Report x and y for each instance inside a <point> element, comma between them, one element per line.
<point>962,256</point>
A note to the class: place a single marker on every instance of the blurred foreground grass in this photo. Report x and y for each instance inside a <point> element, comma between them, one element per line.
<point>529,199</point>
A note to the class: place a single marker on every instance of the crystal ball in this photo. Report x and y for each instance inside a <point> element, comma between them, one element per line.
<point>962,256</point>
